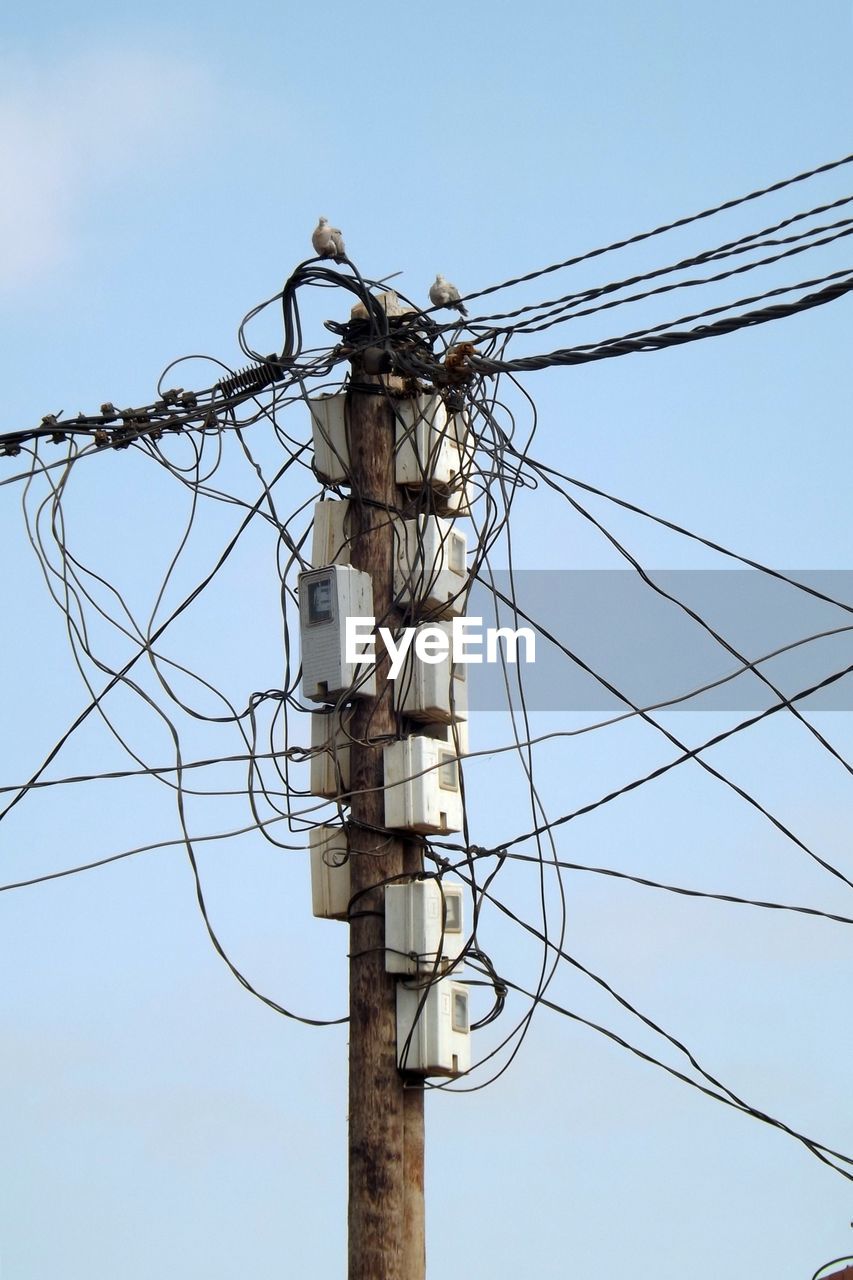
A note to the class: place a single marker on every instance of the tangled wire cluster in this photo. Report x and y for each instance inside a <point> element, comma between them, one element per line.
<point>239,446</point>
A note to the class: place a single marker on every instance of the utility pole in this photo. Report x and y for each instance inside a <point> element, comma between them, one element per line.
<point>386,1112</point>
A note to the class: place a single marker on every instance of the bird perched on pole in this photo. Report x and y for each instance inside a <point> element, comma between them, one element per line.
<point>444,294</point>
<point>328,241</point>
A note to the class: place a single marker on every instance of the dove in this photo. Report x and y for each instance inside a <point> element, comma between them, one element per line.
<point>445,294</point>
<point>328,241</point>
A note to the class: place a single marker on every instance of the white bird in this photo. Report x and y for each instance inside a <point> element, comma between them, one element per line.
<point>328,241</point>
<point>445,294</point>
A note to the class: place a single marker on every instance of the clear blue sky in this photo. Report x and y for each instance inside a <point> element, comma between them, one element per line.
<point>163,171</point>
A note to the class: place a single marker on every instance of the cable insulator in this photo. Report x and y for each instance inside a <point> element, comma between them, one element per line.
<point>253,378</point>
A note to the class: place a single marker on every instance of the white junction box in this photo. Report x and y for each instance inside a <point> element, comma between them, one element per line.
<point>331,536</point>
<point>433,1028</point>
<point>327,597</point>
<point>329,435</point>
<point>456,500</point>
<point>330,759</point>
<point>427,452</point>
<point>428,691</point>
<point>430,568</point>
<point>434,449</point>
<point>459,428</point>
<point>330,874</point>
<point>423,926</point>
<point>422,786</point>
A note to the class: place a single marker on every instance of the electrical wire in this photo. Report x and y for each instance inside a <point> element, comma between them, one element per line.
<point>214,447</point>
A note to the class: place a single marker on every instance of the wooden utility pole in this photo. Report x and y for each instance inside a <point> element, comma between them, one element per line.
<point>386,1114</point>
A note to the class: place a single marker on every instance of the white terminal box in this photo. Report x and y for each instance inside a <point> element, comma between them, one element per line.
<point>327,597</point>
<point>433,1029</point>
<point>329,435</point>
<point>426,690</point>
<point>423,926</point>
<point>456,501</point>
<point>427,452</point>
<point>422,786</point>
<point>330,874</point>
<point>332,533</point>
<point>330,748</point>
<point>460,430</point>
<point>430,569</point>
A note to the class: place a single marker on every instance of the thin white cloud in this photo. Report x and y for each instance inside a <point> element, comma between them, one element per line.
<point>71,133</point>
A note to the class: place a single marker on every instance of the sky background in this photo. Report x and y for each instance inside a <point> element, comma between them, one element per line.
<point>163,171</point>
